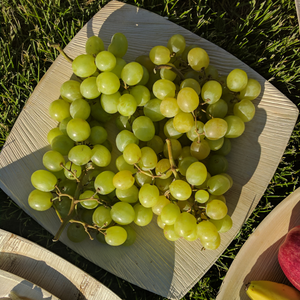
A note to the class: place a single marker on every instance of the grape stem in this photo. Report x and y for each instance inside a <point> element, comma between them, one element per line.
<point>85,226</point>
<point>171,159</point>
<point>72,172</point>
<point>61,51</point>
<point>169,67</point>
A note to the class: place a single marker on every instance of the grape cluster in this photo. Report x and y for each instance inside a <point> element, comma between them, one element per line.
<point>175,116</point>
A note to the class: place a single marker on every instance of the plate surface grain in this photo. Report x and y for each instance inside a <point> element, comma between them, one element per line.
<point>257,259</point>
<point>47,271</point>
<point>153,263</point>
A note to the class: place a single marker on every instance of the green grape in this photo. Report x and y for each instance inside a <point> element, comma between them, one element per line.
<point>201,196</point>
<point>105,61</point>
<point>216,209</point>
<point>94,45</point>
<point>129,195</point>
<point>170,234</point>
<point>142,178</point>
<point>218,109</point>
<point>215,128</point>
<point>226,147</point>
<point>185,151</point>
<point>76,233</point>
<point>169,213</point>
<point>122,213</point>
<point>143,128</point>
<point>88,204</point>
<point>169,130</point>
<point>194,133</point>
<point>145,77</point>
<point>131,235</point>
<point>52,160</point>
<point>115,235</point>
<point>148,160</point>
<point>118,44</point>
<point>62,144</point>
<point>70,90</point>
<point>156,143</point>
<point>216,144</point>
<point>59,110</point>
<point>211,91</point>
<point>121,164</point>
<point>102,216</point>
<point>80,108</point>
<point>104,182</point>
<point>108,83</point>
<point>87,216</point>
<point>212,72</point>
<point>163,184</point>
<point>186,51</point>
<point>218,184</point>
<point>167,73</point>
<point>127,105</point>
<point>160,204</point>
<point>207,232</point>
<point>185,224</point>
<point>191,83</point>
<point>187,99</point>
<point>143,215</point>
<point>251,91</point>
<point>132,73</point>
<point>175,147</point>
<point>160,223</point>
<point>176,44</point>
<point>160,55</point>
<point>110,102</point>
<point>132,154</point>
<point>141,94</point>
<point>67,186</point>
<point>185,163</point>
<point>193,236</point>
<point>148,195</point>
<point>198,59</point>
<point>146,62</point>
<point>152,110</point>
<point>217,164</point>
<point>237,80</point>
<point>123,180</point>
<point>43,180</point>
<point>62,206</point>
<point>63,125</point>
<point>124,122</point>
<point>236,126</point>
<point>71,170</point>
<point>88,88</point>
<point>78,129</point>
<point>100,156</point>
<point>169,107</point>
<point>98,135</point>
<point>212,245</point>
<point>98,113</point>
<point>153,77</point>
<point>163,88</point>
<point>224,224</point>
<point>163,168</point>
<point>120,64</point>
<point>196,173</point>
<point>245,110</point>
<point>229,177</point>
<point>180,190</point>
<point>80,155</point>
<point>84,65</point>
<point>192,74</point>
<point>54,132</point>
<point>183,122</point>
<point>124,138</point>
<point>40,200</point>
<point>200,150</point>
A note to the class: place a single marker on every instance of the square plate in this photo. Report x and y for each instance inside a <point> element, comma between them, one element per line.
<point>153,263</point>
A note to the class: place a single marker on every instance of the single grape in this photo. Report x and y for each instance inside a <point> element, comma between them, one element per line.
<point>54,132</point>
<point>76,233</point>
<point>70,90</point>
<point>183,122</point>
<point>196,173</point>
<point>236,126</point>
<point>105,61</point>
<point>245,110</point>
<point>143,215</point>
<point>217,164</point>
<point>201,196</point>
<point>121,164</point>
<point>169,213</point>
<point>101,216</point>
<point>185,163</point>
<point>251,91</point>
<point>185,224</point>
<point>160,55</point>
<point>216,144</point>
<point>143,128</point>
<point>72,171</point>
<point>215,128</point>
<point>212,72</point>
<point>169,130</point>
<point>218,184</point>
<point>115,235</point>
<point>98,135</point>
<point>148,195</point>
<point>141,94</point>
<point>164,88</point>
<point>84,65</point>
<point>176,44</point>
<point>94,45</point>
<point>88,204</point>
<point>108,83</point>
<point>142,178</point>
<point>194,132</point>
<point>104,182</point>
<point>216,209</point>
<point>163,168</point>
<point>211,91</point>
<point>218,109</point>
<point>122,213</point>
<point>124,138</point>
<point>237,80</point>
<point>226,147</point>
<point>208,235</point>
<point>163,184</point>
<point>59,110</point>
<point>78,129</point>
<point>132,154</point>
<point>180,190</point>
<point>123,180</point>
<point>200,150</point>
<point>169,107</point>
<point>191,83</point>
<point>110,102</point>
<point>118,45</point>
<point>80,155</point>
<point>170,233</point>
<point>62,206</point>
<point>160,204</point>
<point>198,59</point>
<point>100,156</point>
<point>132,73</point>
<point>187,99</point>
<point>148,160</point>
<point>129,195</point>
<point>89,89</point>
<point>152,110</point>
<point>127,105</point>
<point>53,160</point>
<point>39,200</point>
<point>43,180</point>
<point>224,224</point>
<point>167,73</point>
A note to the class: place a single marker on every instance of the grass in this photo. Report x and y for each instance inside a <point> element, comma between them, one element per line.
<point>263,34</point>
